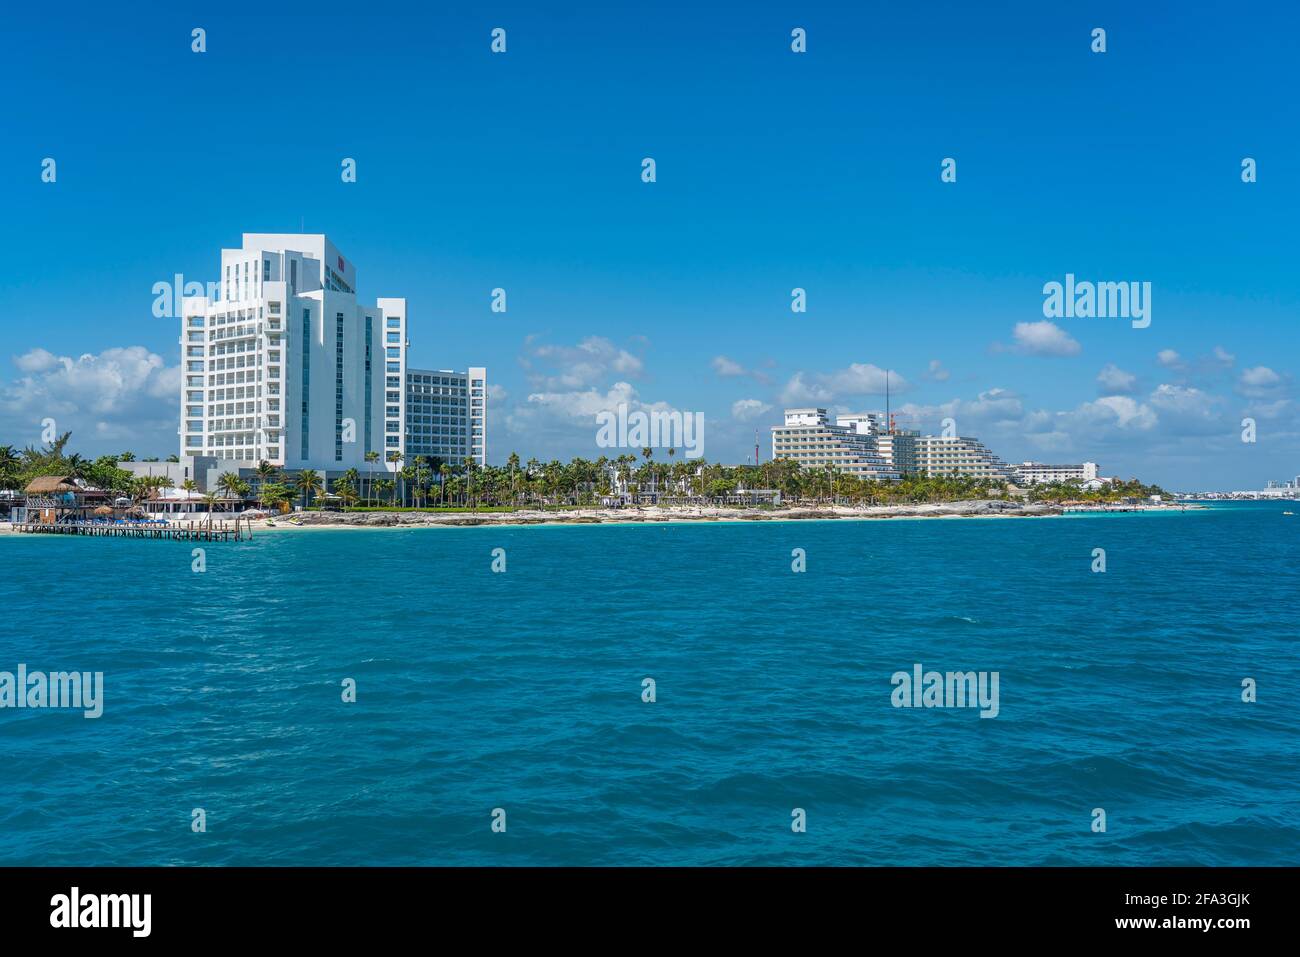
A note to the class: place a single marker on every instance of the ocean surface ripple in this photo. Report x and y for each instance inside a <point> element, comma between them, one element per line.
<point>523,691</point>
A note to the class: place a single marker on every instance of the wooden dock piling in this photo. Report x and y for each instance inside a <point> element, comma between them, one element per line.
<point>176,532</point>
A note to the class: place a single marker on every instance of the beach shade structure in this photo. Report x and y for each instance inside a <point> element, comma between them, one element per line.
<point>51,485</point>
<point>103,510</point>
<point>253,513</point>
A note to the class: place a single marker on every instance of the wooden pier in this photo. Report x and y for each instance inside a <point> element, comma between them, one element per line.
<point>172,531</point>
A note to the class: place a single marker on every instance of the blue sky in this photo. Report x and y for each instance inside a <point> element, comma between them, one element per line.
<point>775,170</point>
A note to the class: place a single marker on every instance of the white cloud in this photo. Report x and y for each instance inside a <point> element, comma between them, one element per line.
<point>748,409</point>
<point>1117,411</point>
<point>574,367</point>
<point>37,360</point>
<point>1182,399</point>
<point>1044,338</point>
<point>798,392</point>
<point>1169,358</point>
<point>1260,382</point>
<point>1114,380</point>
<point>937,372</point>
<point>726,367</point>
<point>125,394</point>
<point>1187,411</point>
<point>1224,356</point>
<point>730,369</point>
<point>857,379</point>
<point>1270,410</point>
<point>992,409</point>
<point>561,424</point>
<point>567,406</point>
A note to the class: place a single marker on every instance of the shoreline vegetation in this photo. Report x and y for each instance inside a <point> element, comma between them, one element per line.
<point>428,491</point>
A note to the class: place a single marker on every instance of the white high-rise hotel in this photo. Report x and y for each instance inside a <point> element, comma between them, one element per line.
<point>284,365</point>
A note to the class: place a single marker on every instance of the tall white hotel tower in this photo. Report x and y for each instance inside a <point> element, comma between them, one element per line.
<point>284,365</point>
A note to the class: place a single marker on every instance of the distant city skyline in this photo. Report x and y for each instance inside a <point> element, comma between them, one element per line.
<point>775,171</point>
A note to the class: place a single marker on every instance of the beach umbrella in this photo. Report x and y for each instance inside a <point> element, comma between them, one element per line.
<point>103,510</point>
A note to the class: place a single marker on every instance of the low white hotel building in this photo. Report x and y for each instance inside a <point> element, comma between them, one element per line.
<point>285,365</point>
<point>1037,473</point>
<point>861,444</point>
<point>937,455</point>
<point>809,439</point>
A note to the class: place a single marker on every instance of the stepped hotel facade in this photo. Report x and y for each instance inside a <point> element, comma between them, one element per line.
<point>863,445</point>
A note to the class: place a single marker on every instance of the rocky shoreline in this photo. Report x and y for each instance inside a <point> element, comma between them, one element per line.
<point>980,508</point>
<point>975,508</point>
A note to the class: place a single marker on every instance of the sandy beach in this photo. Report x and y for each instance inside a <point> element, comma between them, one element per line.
<point>978,508</point>
<point>675,514</point>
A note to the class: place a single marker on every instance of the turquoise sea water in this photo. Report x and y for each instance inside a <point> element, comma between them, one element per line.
<point>523,690</point>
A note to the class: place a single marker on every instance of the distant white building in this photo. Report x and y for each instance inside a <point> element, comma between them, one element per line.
<point>898,448</point>
<point>446,415</point>
<point>1036,473</point>
<point>938,456</point>
<point>862,444</point>
<point>864,423</point>
<point>809,439</point>
<point>178,472</point>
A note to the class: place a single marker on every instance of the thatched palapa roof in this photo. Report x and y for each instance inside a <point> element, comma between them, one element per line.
<point>48,484</point>
<point>58,484</point>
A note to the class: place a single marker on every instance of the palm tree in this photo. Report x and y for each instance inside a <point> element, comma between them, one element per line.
<point>469,481</point>
<point>513,463</point>
<point>210,500</point>
<point>353,479</point>
<point>265,471</point>
<point>230,484</point>
<point>345,490</point>
<point>308,482</point>
<point>371,459</point>
<point>8,466</point>
<point>394,457</point>
<point>408,475</point>
<point>444,472</point>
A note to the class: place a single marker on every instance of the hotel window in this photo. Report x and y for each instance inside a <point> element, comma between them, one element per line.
<point>266,270</point>
<point>306,376</point>
<point>369,391</point>
<point>393,322</point>
<point>293,275</point>
<point>338,387</point>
